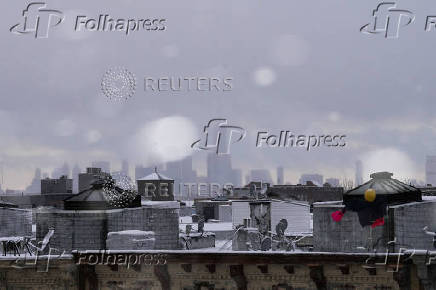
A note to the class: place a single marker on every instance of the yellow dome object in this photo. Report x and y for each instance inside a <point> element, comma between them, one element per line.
<point>370,195</point>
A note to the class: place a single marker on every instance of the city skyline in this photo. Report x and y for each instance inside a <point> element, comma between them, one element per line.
<point>289,79</point>
<point>194,174</point>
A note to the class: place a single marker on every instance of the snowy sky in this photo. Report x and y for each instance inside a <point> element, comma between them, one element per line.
<point>301,66</point>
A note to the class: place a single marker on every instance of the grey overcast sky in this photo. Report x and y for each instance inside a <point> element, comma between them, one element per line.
<point>301,66</point>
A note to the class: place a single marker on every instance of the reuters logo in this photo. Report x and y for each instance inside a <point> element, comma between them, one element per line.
<point>118,84</point>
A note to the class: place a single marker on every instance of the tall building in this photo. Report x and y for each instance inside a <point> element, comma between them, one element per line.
<point>125,168</point>
<point>220,171</point>
<point>122,180</point>
<point>141,171</point>
<point>1,176</point>
<point>261,175</point>
<point>280,175</point>
<point>85,179</point>
<point>61,171</point>
<point>333,182</point>
<point>317,179</point>
<point>182,173</point>
<point>247,179</point>
<point>359,173</point>
<point>75,175</point>
<point>430,170</point>
<point>35,185</point>
<point>237,177</point>
<point>104,165</point>
<point>181,170</point>
<point>218,168</point>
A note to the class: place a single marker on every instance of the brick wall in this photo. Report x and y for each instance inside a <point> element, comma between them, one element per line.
<point>15,222</point>
<point>163,221</point>
<point>74,230</point>
<point>346,235</point>
<point>236,272</point>
<point>87,230</point>
<point>410,219</point>
<point>404,222</point>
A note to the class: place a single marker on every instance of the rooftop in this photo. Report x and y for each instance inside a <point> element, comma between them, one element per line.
<point>385,185</point>
<point>155,176</point>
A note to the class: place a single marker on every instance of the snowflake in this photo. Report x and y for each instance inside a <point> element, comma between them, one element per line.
<point>116,195</point>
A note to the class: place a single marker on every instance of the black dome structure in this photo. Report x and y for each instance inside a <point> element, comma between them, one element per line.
<point>386,187</point>
<point>7,204</point>
<point>103,194</point>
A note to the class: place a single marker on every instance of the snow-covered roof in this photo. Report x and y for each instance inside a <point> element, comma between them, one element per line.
<point>155,176</point>
<point>161,204</point>
<point>296,202</point>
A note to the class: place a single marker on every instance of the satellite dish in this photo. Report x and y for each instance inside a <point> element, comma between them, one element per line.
<point>188,229</point>
<point>252,189</point>
<point>266,244</point>
<point>281,227</point>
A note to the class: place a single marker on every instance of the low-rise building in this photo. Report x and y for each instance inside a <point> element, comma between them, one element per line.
<point>309,193</point>
<point>57,185</point>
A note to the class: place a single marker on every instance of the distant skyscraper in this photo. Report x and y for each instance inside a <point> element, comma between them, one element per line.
<point>219,168</point>
<point>237,177</point>
<point>333,182</point>
<point>280,175</point>
<point>104,165</point>
<point>247,179</point>
<point>182,173</point>
<point>61,171</point>
<point>35,185</point>
<point>359,173</point>
<point>317,179</point>
<point>123,180</point>
<point>141,171</point>
<point>75,175</point>
<point>430,170</point>
<point>261,175</point>
<point>181,169</point>
<point>125,167</point>
<point>92,173</point>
